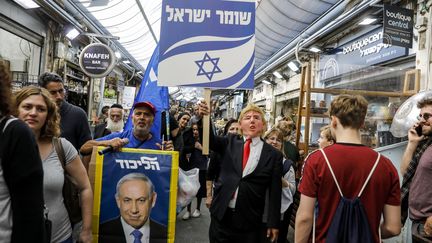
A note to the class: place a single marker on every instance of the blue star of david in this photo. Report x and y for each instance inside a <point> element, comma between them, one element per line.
<point>201,63</point>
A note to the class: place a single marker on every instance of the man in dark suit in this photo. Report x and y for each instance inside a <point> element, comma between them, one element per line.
<point>250,168</point>
<point>135,198</point>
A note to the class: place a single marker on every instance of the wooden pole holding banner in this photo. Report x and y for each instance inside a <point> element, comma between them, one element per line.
<point>206,123</point>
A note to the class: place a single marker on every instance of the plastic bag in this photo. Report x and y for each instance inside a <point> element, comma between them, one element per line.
<point>188,186</point>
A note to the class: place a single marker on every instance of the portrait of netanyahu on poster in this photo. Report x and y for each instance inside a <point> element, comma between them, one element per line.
<point>135,197</point>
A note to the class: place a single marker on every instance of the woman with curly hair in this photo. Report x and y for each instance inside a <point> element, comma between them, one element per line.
<point>35,108</point>
<point>275,137</point>
<point>21,180</point>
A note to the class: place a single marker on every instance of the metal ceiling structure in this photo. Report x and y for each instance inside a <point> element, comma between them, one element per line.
<point>279,22</point>
<point>137,23</point>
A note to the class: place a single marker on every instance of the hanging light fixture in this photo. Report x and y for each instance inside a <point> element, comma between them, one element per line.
<point>277,74</point>
<point>294,65</point>
<point>27,4</point>
<point>367,21</point>
<point>72,34</point>
<point>265,81</point>
<point>314,49</point>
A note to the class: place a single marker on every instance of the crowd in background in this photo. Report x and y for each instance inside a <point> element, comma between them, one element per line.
<point>250,180</point>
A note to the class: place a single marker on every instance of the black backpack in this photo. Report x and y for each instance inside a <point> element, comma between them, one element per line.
<point>350,222</point>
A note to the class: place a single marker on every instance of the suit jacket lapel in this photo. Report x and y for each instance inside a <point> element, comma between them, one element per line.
<point>238,157</point>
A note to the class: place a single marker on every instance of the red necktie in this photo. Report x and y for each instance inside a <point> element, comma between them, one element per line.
<point>246,152</point>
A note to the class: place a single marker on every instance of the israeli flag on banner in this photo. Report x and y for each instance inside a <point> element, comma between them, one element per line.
<point>149,91</point>
<point>207,43</point>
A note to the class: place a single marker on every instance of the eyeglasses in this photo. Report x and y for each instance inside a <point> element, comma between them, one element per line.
<point>425,116</point>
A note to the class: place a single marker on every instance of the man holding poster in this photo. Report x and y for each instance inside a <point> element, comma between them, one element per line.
<point>135,197</point>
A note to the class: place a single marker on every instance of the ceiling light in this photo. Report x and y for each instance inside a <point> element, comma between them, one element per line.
<point>118,54</point>
<point>173,90</point>
<point>277,74</point>
<point>293,66</point>
<point>367,21</point>
<point>314,49</point>
<point>265,81</point>
<point>72,33</point>
<point>27,4</point>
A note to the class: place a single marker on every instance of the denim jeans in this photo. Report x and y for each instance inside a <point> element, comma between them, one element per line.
<point>418,234</point>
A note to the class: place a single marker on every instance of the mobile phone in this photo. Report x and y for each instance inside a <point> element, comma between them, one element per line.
<point>419,130</point>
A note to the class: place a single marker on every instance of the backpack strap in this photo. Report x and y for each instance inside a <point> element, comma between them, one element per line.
<point>367,179</point>
<point>6,121</point>
<point>60,152</point>
<point>313,226</point>
<point>286,166</point>
<point>331,171</point>
<point>370,174</point>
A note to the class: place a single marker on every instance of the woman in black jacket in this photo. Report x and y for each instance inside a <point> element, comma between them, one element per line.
<point>21,183</point>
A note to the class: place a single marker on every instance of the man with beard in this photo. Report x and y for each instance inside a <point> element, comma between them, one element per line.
<point>416,168</point>
<point>137,137</point>
<point>114,122</point>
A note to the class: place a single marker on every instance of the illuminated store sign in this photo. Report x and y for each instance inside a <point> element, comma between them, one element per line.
<point>364,51</point>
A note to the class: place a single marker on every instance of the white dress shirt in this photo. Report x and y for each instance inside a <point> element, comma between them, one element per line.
<point>256,146</point>
<point>145,230</point>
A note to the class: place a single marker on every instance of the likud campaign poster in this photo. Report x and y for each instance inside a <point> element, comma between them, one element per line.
<point>109,224</point>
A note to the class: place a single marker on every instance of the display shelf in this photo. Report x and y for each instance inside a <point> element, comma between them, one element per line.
<point>76,83</point>
<point>377,133</point>
<point>72,64</point>
<point>76,78</point>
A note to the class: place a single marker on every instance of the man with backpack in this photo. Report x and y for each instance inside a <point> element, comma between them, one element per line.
<point>346,187</point>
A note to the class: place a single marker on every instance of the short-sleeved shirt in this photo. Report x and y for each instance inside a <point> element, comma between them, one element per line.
<point>351,164</point>
<point>53,191</point>
<point>420,196</point>
<point>133,142</point>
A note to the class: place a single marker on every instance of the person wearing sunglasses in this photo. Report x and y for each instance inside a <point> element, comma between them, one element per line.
<point>416,166</point>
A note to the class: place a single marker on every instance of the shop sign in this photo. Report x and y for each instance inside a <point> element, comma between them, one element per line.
<point>366,50</point>
<point>128,97</point>
<point>207,44</point>
<point>97,60</point>
<point>398,26</point>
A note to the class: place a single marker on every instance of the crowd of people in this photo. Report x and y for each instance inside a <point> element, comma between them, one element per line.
<point>248,180</point>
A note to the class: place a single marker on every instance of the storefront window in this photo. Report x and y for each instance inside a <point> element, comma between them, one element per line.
<point>23,58</point>
<point>363,65</point>
<point>382,86</point>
